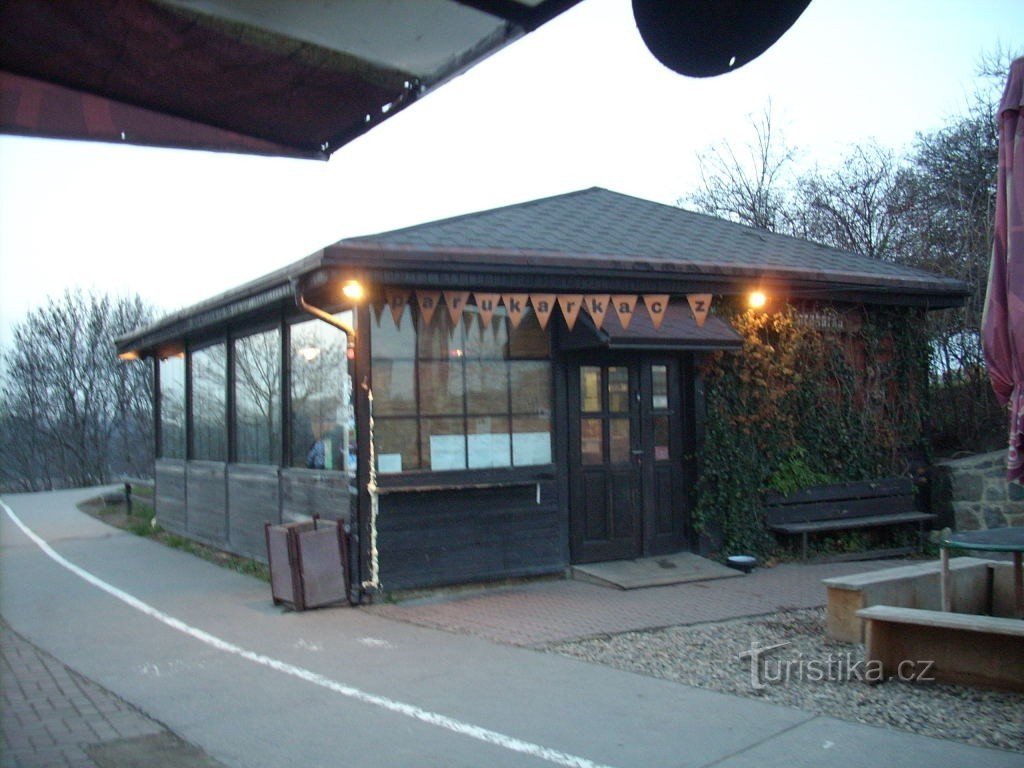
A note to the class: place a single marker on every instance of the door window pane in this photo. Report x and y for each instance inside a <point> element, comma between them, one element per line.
<point>172,408</point>
<point>618,446</point>
<point>590,388</point>
<point>659,391</point>
<point>618,389</point>
<point>258,398</point>
<point>592,441</point>
<point>661,438</point>
<point>209,403</point>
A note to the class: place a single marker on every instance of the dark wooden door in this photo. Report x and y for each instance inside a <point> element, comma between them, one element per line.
<point>625,447</point>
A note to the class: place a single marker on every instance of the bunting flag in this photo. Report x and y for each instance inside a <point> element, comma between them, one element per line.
<point>486,303</point>
<point>543,305</point>
<point>656,305</point>
<point>427,301</point>
<point>596,306</point>
<point>700,305</point>
<point>456,301</point>
<point>396,299</point>
<point>570,305</point>
<point>624,306</point>
<point>515,306</point>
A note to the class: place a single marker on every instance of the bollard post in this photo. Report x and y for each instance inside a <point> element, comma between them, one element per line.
<point>128,498</point>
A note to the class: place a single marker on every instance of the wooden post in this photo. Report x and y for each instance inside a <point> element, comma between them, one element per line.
<point>128,498</point>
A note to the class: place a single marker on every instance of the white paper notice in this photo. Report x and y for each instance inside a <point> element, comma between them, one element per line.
<point>531,448</point>
<point>489,451</point>
<point>447,452</point>
<point>389,462</point>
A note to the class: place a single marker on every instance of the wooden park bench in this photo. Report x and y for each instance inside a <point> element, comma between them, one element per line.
<point>848,506</point>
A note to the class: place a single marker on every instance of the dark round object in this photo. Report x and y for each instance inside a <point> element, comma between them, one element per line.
<point>704,38</point>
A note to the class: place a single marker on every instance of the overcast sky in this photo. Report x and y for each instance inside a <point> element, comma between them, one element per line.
<point>579,103</point>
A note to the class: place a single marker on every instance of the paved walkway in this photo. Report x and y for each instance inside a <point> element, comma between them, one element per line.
<point>51,715</point>
<point>540,613</point>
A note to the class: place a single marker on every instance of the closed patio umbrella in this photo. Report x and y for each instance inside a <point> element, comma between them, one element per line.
<point>1003,322</point>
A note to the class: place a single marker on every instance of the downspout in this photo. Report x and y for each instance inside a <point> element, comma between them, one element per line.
<point>372,585</point>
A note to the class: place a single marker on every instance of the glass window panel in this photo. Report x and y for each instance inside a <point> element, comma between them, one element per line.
<point>529,339</point>
<point>439,341</point>
<point>209,403</point>
<point>258,398</point>
<point>486,387</point>
<point>395,445</point>
<point>443,444</point>
<point>618,441</point>
<point>661,440</point>
<point>592,441</point>
<point>489,342</point>
<point>394,341</point>
<point>489,443</point>
<point>394,388</point>
<point>618,389</point>
<point>172,408</point>
<point>531,441</point>
<point>322,420</point>
<point>440,388</point>
<point>590,388</point>
<point>531,387</point>
<point>659,390</point>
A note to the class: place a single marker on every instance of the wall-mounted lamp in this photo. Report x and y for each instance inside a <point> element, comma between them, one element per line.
<point>131,355</point>
<point>757,300</point>
<point>352,289</point>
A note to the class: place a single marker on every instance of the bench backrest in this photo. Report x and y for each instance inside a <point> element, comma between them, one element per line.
<point>845,500</point>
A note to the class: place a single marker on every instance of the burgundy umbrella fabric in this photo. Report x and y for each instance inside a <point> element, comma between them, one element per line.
<point>1003,322</point>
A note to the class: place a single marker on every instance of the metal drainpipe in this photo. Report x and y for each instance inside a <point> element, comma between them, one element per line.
<point>373,584</point>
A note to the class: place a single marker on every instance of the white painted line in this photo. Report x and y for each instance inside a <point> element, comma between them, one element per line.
<point>409,710</point>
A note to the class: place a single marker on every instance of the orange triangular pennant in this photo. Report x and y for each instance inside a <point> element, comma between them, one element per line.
<point>543,306</point>
<point>396,300</point>
<point>597,307</point>
<point>624,306</point>
<point>486,303</point>
<point>428,301</point>
<point>515,306</point>
<point>570,305</point>
<point>657,304</point>
<point>700,305</point>
<point>456,301</point>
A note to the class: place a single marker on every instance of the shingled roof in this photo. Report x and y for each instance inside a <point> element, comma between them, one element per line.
<point>597,228</point>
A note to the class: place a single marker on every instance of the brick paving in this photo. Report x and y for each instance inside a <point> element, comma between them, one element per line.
<point>49,715</point>
<point>540,613</point>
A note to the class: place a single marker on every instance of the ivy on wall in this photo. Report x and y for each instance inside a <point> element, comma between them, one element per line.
<point>806,403</point>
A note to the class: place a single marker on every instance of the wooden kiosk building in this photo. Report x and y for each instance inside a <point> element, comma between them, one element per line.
<point>497,395</point>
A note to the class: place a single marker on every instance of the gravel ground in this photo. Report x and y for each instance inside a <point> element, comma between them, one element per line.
<point>708,656</point>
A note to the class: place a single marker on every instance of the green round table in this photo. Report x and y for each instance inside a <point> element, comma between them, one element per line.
<point>989,540</point>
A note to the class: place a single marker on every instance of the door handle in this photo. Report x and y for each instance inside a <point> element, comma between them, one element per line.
<point>637,452</point>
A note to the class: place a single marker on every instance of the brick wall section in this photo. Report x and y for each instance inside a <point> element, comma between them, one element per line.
<point>972,493</point>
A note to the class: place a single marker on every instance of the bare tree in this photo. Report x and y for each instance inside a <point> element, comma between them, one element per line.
<point>71,410</point>
<point>749,186</point>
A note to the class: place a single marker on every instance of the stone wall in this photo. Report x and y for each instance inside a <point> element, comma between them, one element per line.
<point>972,493</point>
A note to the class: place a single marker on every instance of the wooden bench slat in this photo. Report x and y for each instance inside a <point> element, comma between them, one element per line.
<point>944,620</point>
<point>863,489</point>
<point>851,522</point>
<point>831,510</point>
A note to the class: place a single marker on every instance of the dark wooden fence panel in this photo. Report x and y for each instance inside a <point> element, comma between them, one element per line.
<point>253,500</point>
<point>307,492</point>
<point>169,496</point>
<point>433,538</point>
<point>207,502</point>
